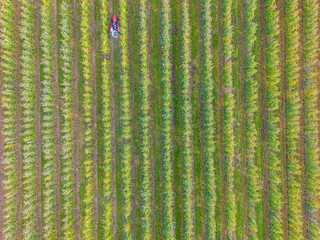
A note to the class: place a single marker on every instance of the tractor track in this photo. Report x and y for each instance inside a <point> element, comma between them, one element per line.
<point>76,127</point>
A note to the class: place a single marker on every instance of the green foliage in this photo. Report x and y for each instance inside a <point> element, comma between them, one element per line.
<point>253,179</point>
<point>106,83</point>
<point>273,119</point>
<point>145,82</point>
<point>28,138</point>
<point>311,131</point>
<point>67,137</point>
<point>86,45</point>
<point>187,131</point>
<point>126,120</point>
<point>47,121</point>
<point>166,47</point>
<point>9,104</point>
<point>228,123</point>
<point>208,86</point>
<point>293,111</point>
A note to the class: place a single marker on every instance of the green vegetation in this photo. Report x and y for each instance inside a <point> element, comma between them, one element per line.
<point>48,118</point>
<point>187,132</point>
<point>85,46</point>
<point>180,128</point>
<point>208,86</point>
<point>293,111</point>
<point>107,135</point>
<point>146,189</point>
<point>253,179</point>
<point>273,119</point>
<point>166,47</point>
<point>9,104</point>
<point>67,137</point>
<point>126,126</point>
<point>29,104</point>
<point>228,122</point>
<point>311,128</point>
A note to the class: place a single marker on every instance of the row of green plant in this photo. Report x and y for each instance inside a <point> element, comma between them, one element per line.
<point>167,124</point>
<point>108,219</point>
<point>85,48</point>
<point>311,127</point>
<point>273,119</point>
<point>67,113</point>
<point>126,125</point>
<point>253,178</point>
<point>188,200</point>
<point>293,112</point>
<point>9,103</point>
<point>209,132</point>
<point>146,159</point>
<point>228,118</point>
<point>29,109</point>
<point>47,121</point>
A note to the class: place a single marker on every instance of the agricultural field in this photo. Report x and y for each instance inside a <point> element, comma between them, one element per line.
<point>200,121</point>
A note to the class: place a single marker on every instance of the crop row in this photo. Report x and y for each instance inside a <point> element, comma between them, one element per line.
<point>228,122</point>
<point>167,125</point>
<point>145,82</point>
<point>85,46</point>
<point>253,178</point>
<point>28,138</point>
<point>8,65</point>
<point>47,121</point>
<point>273,119</point>
<point>107,134</point>
<point>311,138</point>
<point>293,111</point>
<point>126,125</point>
<point>67,136</point>
<point>187,131</point>
<point>208,87</point>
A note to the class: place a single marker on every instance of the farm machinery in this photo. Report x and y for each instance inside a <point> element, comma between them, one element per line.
<point>115,27</point>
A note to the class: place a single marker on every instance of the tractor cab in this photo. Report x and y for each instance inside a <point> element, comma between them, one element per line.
<point>114,27</point>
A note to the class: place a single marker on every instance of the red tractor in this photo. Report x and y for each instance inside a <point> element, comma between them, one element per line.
<point>115,27</point>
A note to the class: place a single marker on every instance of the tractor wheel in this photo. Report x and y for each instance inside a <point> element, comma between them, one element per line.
<point>111,28</point>
<point>118,28</point>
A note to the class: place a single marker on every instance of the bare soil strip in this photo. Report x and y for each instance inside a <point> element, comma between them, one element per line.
<point>302,125</point>
<point>76,119</point>
<point>58,115</point>
<point>94,119</point>
<point>38,116</point>
<point>19,124</point>
<point>283,120</point>
<point>262,67</point>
